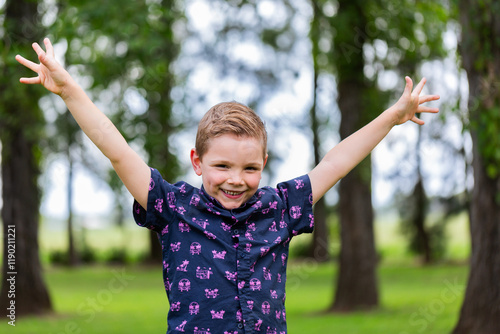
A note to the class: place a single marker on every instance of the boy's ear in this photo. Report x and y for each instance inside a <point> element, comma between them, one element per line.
<point>196,162</point>
<point>265,161</point>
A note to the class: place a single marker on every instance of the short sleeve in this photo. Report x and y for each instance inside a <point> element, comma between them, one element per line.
<point>298,211</point>
<point>159,211</point>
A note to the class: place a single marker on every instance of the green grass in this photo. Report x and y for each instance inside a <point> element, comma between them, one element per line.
<point>131,299</point>
<point>413,300</point>
<point>101,299</point>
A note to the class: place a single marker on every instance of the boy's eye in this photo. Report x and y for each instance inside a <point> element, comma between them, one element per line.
<point>252,168</point>
<point>221,166</point>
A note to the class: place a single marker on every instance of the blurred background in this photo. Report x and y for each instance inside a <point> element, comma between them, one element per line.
<point>392,241</point>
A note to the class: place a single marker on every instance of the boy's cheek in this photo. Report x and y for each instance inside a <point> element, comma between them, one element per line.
<point>255,180</point>
<point>216,177</point>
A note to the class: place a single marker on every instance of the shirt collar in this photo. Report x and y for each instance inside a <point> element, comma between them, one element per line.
<point>239,214</point>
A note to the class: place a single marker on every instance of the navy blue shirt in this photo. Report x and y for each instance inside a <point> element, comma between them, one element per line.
<point>225,270</point>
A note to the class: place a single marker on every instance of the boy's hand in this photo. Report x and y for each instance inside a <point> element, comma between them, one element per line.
<point>50,74</point>
<point>410,103</point>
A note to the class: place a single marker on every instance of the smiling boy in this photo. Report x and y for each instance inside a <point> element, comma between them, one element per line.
<point>224,246</point>
<point>230,153</point>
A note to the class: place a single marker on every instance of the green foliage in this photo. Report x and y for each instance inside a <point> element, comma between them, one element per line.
<point>375,36</point>
<point>436,234</point>
<point>480,47</point>
<point>88,255</point>
<point>123,50</point>
<point>58,257</point>
<point>117,256</point>
<point>488,132</point>
<point>410,30</point>
<point>19,110</point>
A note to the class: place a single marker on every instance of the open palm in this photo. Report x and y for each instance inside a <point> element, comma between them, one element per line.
<point>410,103</point>
<point>50,73</point>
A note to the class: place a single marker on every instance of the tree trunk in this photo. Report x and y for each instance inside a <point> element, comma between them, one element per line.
<point>480,311</point>
<point>480,51</point>
<point>357,282</point>
<point>73,259</point>
<point>26,288</point>
<point>319,249</point>
<point>422,238</point>
<point>157,145</point>
<point>70,129</point>
<point>154,255</point>
<point>422,241</point>
<point>23,289</point>
<point>356,286</point>
<point>414,210</point>
<point>319,246</point>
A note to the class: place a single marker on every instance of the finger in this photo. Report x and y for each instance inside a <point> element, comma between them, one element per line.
<point>39,51</point>
<point>48,46</point>
<point>427,98</point>
<point>28,63</point>
<point>417,120</point>
<point>43,57</point>
<point>428,109</point>
<point>30,81</point>
<point>420,86</point>
<point>409,85</point>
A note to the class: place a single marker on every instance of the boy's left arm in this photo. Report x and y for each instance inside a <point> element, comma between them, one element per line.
<point>341,159</point>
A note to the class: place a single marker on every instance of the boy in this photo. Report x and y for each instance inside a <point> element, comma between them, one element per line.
<point>225,246</point>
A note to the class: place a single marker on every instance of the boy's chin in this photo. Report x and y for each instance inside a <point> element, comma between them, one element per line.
<point>231,206</point>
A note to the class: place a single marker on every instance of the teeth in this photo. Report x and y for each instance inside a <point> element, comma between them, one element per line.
<point>232,193</point>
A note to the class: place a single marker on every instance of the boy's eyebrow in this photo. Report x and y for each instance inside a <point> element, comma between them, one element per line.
<point>217,161</point>
<point>228,162</point>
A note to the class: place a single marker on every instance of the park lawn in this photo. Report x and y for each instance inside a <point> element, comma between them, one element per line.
<point>413,300</point>
<point>100,299</point>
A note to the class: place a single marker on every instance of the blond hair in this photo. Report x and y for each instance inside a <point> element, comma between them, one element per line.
<point>229,118</point>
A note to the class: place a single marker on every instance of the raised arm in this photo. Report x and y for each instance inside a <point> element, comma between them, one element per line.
<point>341,159</point>
<point>131,169</point>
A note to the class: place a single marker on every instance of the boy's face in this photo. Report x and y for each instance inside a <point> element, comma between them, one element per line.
<point>231,169</point>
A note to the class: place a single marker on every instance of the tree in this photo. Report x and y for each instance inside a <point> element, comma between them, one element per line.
<point>480,51</point>
<point>413,209</point>
<point>371,38</point>
<point>357,282</point>
<point>128,52</point>
<point>253,51</point>
<point>70,130</point>
<point>319,249</point>
<point>21,123</point>
<point>62,137</point>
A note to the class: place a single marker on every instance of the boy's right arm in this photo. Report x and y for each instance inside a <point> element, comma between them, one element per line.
<point>131,169</point>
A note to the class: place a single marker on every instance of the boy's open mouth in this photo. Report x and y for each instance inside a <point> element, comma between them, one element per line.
<point>232,193</point>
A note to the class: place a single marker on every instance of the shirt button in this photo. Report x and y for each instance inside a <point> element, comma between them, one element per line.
<point>236,232</point>
<point>240,325</point>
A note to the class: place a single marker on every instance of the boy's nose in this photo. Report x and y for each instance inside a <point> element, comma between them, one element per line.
<point>235,178</point>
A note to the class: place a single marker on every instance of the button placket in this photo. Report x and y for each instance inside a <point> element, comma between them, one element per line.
<point>244,275</point>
